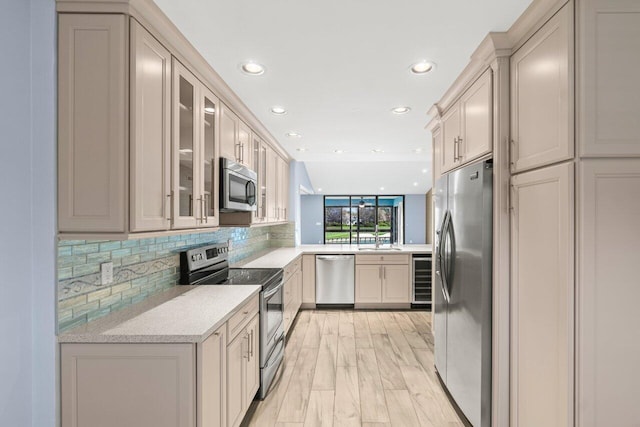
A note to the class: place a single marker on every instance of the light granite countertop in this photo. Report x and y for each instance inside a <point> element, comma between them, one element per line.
<point>281,257</point>
<point>183,314</point>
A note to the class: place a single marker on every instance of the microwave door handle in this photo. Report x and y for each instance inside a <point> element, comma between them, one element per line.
<point>250,189</point>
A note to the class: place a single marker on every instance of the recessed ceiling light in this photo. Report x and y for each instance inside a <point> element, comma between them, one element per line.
<point>401,110</point>
<point>209,110</point>
<point>418,150</point>
<point>415,184</point>
<point>338,151</point>
<point>422,67</point>
<point>381,188</point>
<point>377,150</point>
<point>252,68</point>
<point>319,190</point>
<point>424,171</point>
<point>293,135</point>
<point>301,149</point>
<point>278,110</point>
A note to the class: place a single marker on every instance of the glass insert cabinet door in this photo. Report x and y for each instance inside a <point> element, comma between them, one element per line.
<point>185,134</point>
<point>195,177</point>
<point>209,125</point>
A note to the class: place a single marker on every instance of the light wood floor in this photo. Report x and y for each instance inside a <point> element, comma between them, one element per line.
<point>357,368</point>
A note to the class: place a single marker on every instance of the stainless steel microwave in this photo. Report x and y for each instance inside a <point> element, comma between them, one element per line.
<point>237,187</point>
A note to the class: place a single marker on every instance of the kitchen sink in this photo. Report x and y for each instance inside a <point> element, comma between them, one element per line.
<point>379,249</point>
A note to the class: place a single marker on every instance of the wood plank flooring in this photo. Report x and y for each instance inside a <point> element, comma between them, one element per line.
<point>357,368</point>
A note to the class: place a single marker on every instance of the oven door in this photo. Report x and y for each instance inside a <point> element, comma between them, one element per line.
<point>271,318</point>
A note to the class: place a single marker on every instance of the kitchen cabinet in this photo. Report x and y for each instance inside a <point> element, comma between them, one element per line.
<point>308,281</point>
<point>542,297</point>
<point>195,154</point>
<point>121,170</point>
<point>234,137</point>
<point>258,164</point>
<point>382,279</point>
<point>542,95</point>
<point>292,295</point>
<point>127,385</point>
<point>212,365</point>
<point>92,123</point>
<point>608,247</point>
<point>283,189</point>
<point>608,54</point>
<point>243,372</point>
<point>436,143</point>
<point>450,136</point>
<point>467,125</point>
<point>150,149</point>
<point>272,182</point>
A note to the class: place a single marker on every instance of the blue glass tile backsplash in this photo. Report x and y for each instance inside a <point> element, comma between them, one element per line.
<point>141,267</point>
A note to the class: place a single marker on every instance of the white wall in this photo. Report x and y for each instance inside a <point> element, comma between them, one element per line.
<point>27,217</point>
<point>298,177</point>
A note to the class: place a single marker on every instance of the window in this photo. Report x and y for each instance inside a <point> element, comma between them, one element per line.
<point>353,219</point>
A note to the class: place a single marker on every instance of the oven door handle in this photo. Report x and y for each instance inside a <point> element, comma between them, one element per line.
<point>273,291</point>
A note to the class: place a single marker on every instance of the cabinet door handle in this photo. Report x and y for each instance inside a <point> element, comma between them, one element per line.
<point>246,355</point>
<point>380,272</point>
<point>201,203</point>
<point>252,343</point>
<point>170,203</point>
<point>459,148</point>
<point>384,273</point>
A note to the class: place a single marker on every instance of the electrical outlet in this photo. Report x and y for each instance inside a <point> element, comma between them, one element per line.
<point>106,269</point>
<point>230,244</point>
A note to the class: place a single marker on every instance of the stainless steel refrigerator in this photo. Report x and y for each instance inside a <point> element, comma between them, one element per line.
<point>462,295</point>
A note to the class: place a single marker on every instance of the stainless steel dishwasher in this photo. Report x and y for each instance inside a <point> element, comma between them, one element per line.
<point>335,279</point>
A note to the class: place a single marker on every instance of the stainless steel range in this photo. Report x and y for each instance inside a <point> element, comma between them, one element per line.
<point>209,265</point>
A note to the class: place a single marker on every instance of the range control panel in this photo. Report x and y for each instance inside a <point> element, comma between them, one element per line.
<point>205,256</point>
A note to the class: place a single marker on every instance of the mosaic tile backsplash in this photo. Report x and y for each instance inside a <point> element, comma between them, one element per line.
<point>141,267</point>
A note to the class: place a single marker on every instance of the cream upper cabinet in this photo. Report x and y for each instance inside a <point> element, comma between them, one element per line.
<point>608,292</point>
<point>150,147</point>
<point>257,166</point>
<point>272,183</point>
<point>450,137</point>
<point>212,368</point>
<point>235,137</point>
<point>476,110</point>
<point>466,130</point>
<point>244,144</point>
<point>93,130</point>
<point>542,95</point>
<point>436,141</point>
<point>195,152</point>
<point>542,295</point>
<point>229,126</point>
<point>608,62</point>
<point>282,191</point>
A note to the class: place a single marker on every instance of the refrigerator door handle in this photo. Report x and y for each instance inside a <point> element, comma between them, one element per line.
<point>450,257</point>
<point>442,256</point>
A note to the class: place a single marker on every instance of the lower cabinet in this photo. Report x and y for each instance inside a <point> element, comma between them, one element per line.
<point>208,384</point>
<point>382,279</point>
<point>212,365</point>
<point>292,292</point>
<point>243,372</point>
<point>309,281</point>
<point>128,385</point>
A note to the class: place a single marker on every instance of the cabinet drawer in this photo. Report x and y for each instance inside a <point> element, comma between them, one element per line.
<point>382,259</point>
<point>242,317</point>
<point>288,291</point>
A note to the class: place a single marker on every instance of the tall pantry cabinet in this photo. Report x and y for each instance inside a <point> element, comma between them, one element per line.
<point>542,223</point>
<point>608,212</point>
<point>566,152</point>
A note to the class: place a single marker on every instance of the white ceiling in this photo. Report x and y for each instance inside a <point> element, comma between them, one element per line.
<point>339,67</point>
